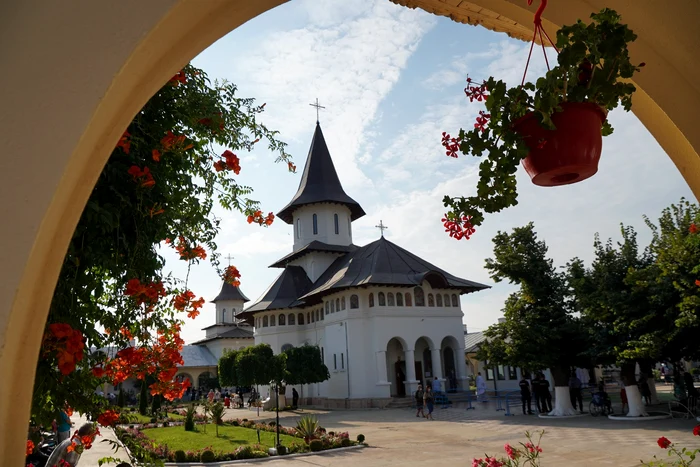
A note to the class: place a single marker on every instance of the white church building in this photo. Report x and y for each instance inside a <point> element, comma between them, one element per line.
<point>383,318</point>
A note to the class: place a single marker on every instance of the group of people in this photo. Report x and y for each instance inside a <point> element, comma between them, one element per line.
<point>538,387</point>
<point>425,399</point>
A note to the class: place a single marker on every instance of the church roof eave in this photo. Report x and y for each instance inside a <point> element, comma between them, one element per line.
<point>284,292</point>
<point>314,246</point>
<point>319,183</point>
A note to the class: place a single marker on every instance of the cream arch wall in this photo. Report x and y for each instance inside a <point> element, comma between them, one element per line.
<point>80,70</point>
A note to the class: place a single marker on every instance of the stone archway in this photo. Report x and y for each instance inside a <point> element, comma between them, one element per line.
<point>453,362</point>
<point>134,48</point>
<point>426,364</point>
<point>396,369</point>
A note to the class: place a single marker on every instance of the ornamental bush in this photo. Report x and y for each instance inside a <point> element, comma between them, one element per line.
<point>360,438</point>
<point>180,456</point>
<point>316,445</point>
<point>207,456</point>
<point>345,442</point>
<point>281,450</point>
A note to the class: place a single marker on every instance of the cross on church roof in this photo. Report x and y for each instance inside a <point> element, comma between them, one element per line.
<point>229,257</point>
<point>317,108</point>
<point>381,227</point>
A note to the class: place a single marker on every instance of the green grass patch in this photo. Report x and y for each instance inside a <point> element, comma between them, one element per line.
<point>230,437</point>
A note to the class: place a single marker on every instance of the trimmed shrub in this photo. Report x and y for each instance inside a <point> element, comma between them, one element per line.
<point>345,442</point>
<point>331,433</point>
<point>180,456</point>
<point>316,445</point>
<point>207,456</point>
<point>244,420</point>
<point>143,399</point>
<point>153,420</point>
<point>189,417</point>
<point>165,424</point>
<point>360,438</point>
<point>281,450</point>
<point>272,424</point>
<point>235,423</point>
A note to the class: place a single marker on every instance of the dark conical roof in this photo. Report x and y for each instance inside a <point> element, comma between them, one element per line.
<point>384,263</point>
<point>284,292</point>
<point>229,292</point>
<point>320,182</point>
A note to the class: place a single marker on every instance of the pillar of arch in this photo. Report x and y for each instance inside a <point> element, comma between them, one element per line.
<point>105,65</point>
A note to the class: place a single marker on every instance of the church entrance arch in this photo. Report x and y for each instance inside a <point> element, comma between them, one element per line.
<point>396,366</point>
<point>449,349</point>
<point>424,359</point>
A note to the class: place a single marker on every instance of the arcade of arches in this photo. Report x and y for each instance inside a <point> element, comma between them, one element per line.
<point>107,59</point>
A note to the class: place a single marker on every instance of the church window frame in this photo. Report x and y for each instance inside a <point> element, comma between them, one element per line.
<point>342,361</point>
<point>455,300</point>
<point>323,356</point>
<point>328,307</point>
<point>419,296</point>
<point>332,306</point>
<point>318,315</point>
<point>308,318</point>
<point>381,299</point>
<point>337,304</point>
<point>272,320</point>
<point>446,298</point>
<point>342,302</point>
<point>282,320</point>
<point>298,228</point>
<point>438,300</point>
<point>354,302</point>
<point>335,361</point>
<point>300,319</point>
<point>349,228</point>
<point>313,317</point>
<point>337,224</point>
<point>431,300</point>
<point>290,319</point>
<point>409,300</point>
<point>223,315</point>
<point>264,321</point>
<point>399,299</point>
<point>371,300</point>
<point>390,299</point>
<point>315,224</point>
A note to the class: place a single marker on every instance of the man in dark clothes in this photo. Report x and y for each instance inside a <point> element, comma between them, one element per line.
<point>295,398</point>
<point>546,395</point>
<point>537,392</point>
<point>525,395</point>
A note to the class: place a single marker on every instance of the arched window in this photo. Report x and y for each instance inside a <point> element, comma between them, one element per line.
<point>282,320</point>
<point>455,300</point>
<point>390,299</point>
<point>371,300</point>
<point>420,296</point>
<point>447,300</point>
<point>337,304</point>
<point>318,315</point>
<point>328,307</point>
<point>286,347</point>
<point>264,321</point>
<point>291,319</point>
<point>349,228</point>
<point>381,298</point>
<point>313,317</point>
<point>354,302</point>
<point>408,299</point>
<point>308,317</point>
<point>337,227</point>
<point>223,315</point>
<point>342,302</point>
<point>315,224</point>
<point>438,299</point>
<point>298,228</point>
<point>431,300</point>
<point>332,306</point>
<point>399,299</point>
<point>300,318</point>
<point>272,320</point>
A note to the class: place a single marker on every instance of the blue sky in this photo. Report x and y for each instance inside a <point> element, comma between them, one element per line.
<point>391,80</point>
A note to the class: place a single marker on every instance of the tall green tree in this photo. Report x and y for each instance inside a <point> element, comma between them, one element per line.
<point>540,330</point>
<point>304,365</point>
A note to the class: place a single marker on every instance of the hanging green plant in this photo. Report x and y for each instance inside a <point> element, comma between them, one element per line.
<point>554,126</point>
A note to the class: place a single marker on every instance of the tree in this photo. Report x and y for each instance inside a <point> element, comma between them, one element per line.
<point>258,365</point>
<point>305,366</point>
<point>227,368</point>
<point>176,159</point>
<point>217,415</point>
<point>143,400</point>
<point>120,398</point>
<point>619,314</point>
<point>540,330</point>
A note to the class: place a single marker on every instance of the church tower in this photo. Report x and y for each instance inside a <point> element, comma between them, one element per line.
<point>320,212</point>
<point>229,303</point>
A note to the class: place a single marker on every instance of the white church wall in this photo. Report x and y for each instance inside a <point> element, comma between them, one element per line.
<point>325,222</point>
<point>218,346</point>
<point>336,358</point>
<point>231,306</point>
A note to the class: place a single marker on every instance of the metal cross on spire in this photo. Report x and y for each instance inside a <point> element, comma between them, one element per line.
<point>381,227</point>
<point>229,257</point>
<point>317,108</point>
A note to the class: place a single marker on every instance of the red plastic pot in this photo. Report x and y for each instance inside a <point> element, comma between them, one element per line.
<point>568,154</point>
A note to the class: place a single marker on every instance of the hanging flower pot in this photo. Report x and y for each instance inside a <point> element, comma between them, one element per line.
<point>567,154</point>
<point>554,125</point>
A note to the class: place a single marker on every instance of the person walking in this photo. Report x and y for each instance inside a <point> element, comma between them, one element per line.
<point>481,388</point>
<point>428,402</point>
<point>419,401</point>
<point>63,426</point>
<point>526,395</point>
<point>537,392</point>
<point>70,449</point>
<point>545,395</point>
<point>692,392</point>
<point>575,391</point>
<point>437,387</point>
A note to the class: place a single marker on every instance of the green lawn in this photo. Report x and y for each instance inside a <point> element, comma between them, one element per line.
<point>230,437</point>
<point>138,418</point>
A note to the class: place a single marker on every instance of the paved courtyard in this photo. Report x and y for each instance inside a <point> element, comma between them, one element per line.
<point>397,438</point>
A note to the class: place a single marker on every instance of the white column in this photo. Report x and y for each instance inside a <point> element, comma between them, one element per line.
<point>410,365</point>
<point>381,366</point>
<point>461,364</point>
<point>437,363</point>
